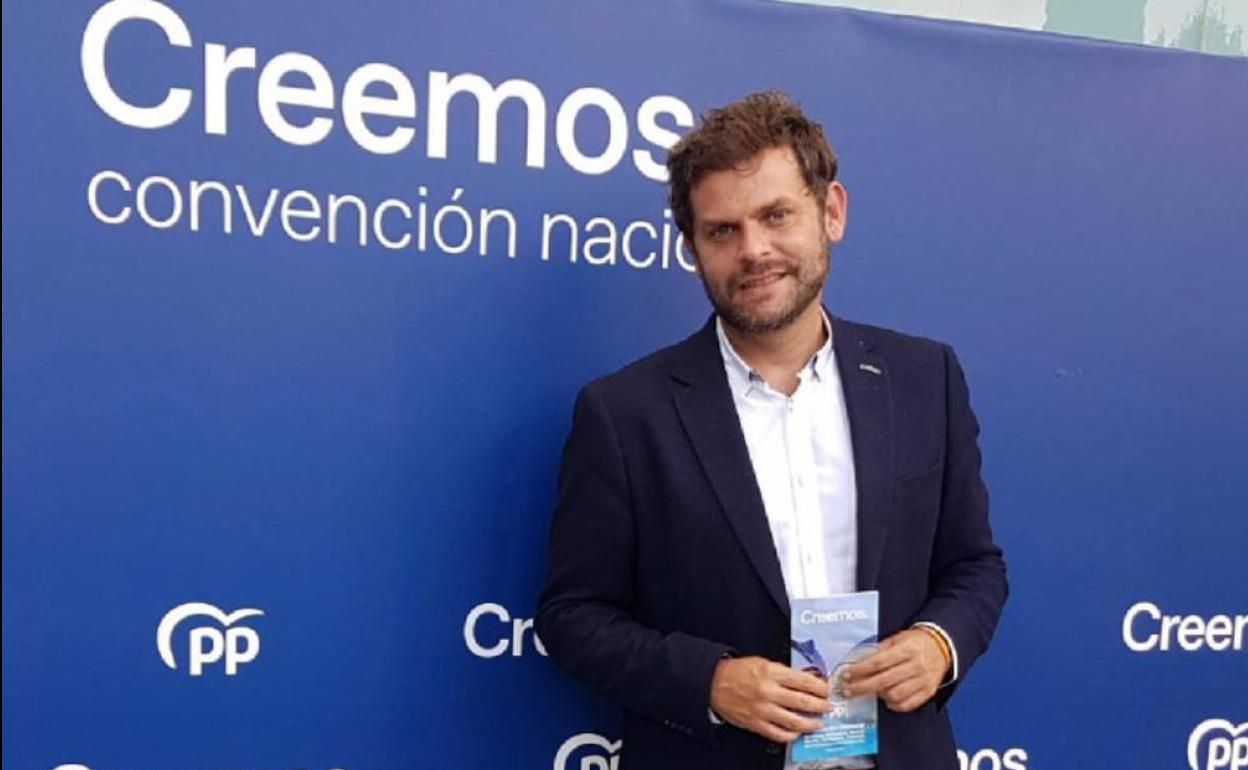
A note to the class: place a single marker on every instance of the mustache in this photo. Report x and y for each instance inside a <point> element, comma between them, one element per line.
<point>768,266</point>
<point>760,269</point>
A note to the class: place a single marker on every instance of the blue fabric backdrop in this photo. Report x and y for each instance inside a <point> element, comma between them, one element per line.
<point>360,442</point>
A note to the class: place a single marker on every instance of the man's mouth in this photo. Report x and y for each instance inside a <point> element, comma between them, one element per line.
<point>760,281</point>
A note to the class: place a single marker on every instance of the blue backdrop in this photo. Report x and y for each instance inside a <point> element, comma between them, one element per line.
<point>359,442</point>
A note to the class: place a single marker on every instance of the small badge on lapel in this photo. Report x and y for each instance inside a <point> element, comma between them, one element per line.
<point>870,368</point>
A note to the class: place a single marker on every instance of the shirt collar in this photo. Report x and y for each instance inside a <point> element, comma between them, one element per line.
<point>742,378</point>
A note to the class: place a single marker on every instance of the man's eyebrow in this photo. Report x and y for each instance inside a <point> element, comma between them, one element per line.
<point>783,200</point>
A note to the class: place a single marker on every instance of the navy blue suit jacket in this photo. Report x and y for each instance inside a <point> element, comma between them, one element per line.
<point>661,557</point>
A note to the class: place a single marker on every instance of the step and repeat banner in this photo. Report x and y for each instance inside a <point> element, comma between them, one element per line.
<point>297,297</point>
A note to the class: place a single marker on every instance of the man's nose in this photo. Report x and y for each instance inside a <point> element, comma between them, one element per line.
<point>754,243</point>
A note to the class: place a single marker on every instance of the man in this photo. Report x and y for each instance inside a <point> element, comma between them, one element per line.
<point>777,453</point>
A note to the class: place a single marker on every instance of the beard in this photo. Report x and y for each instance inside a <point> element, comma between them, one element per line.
<point>808,273</point>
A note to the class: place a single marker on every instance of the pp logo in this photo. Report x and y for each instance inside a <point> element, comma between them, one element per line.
<point>1222,744</point>
<point>210,643</point>
<point>601,753</point>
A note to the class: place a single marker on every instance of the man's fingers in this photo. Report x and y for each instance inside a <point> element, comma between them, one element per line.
<point>883,680</point>
<point>881,659</point>
<point>909,702</point>
<point>903,692</point>
<point>913,702</point>
<point>800,701</point>
<point>773,733</point>
<point>792,679</point>
<point>790,721</point>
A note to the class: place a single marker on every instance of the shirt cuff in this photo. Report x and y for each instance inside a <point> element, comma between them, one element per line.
<point>715,720</point>
<point>953,651</point>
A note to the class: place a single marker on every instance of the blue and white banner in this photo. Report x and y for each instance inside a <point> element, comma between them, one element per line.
<point>296,298</point>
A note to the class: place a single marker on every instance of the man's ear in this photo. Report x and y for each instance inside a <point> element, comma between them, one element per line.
<point>835,211</point>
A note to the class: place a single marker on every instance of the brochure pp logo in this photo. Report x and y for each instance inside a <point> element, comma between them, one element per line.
<point>209,643</point>
<point>1216,744</point>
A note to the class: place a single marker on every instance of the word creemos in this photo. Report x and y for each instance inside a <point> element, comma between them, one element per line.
<point>209,643</point>
<point>374,90</point>
<point>490,631</point>
<point>992,759</point>
<point>1146,628</point>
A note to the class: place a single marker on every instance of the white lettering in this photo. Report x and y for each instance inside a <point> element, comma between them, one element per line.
<point>208,644</point>
<point>378,229</point>
<point>832,616</point>
<point>290,212</point>
<point>1014,759</point>
<point>1219,632</point>
<point>261,225</point>
<point>651,131</point>
<point>488,216</point>
<point>489,100</point>
<point>1189,632</point>
<point>617,134</point>
<point>1128,621</point>
<point>93,202</point>
<point>628,244</point>
<point>175,194</point>
<point>470,630</point>
<point>218,64</point>
<point>271,95</point>
<point>520,628</point>
<point>356,104</point>
<point>548,223</point>
<point>991,759</point>
<point>95,62</point>
<point>227,210</point>
<point>605,256</point>
<point>242,645</point>
<point>361,209</point>
<point>658,119</point>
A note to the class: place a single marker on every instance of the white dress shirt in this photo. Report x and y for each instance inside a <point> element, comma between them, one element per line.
<point>802,455</point>
<point>803,461</point>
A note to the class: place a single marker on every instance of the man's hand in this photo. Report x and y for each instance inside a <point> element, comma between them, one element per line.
<point>768,698</point>
<point>904,672</point>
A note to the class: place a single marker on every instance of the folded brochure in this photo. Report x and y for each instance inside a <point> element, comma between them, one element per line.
<point>827,635</point>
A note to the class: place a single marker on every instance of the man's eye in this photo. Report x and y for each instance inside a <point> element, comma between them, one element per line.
<point>776,216</point>
<point>720,231</point>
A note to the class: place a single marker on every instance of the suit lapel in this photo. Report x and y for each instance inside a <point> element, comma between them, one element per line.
<point>704,402</point>
<point>865,381</point>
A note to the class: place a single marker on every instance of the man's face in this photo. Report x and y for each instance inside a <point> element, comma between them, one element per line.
<point>761,240</point>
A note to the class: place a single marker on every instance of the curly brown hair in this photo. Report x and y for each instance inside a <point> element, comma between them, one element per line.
<point>730,135</point>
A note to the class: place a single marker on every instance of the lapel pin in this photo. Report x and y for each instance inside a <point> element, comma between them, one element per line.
<point>870,368</point>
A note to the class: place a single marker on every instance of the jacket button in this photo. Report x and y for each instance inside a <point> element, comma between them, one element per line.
<point>775,748</point>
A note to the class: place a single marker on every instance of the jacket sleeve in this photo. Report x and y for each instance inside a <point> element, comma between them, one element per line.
<point>967,584</point>
<point>584,616</point>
